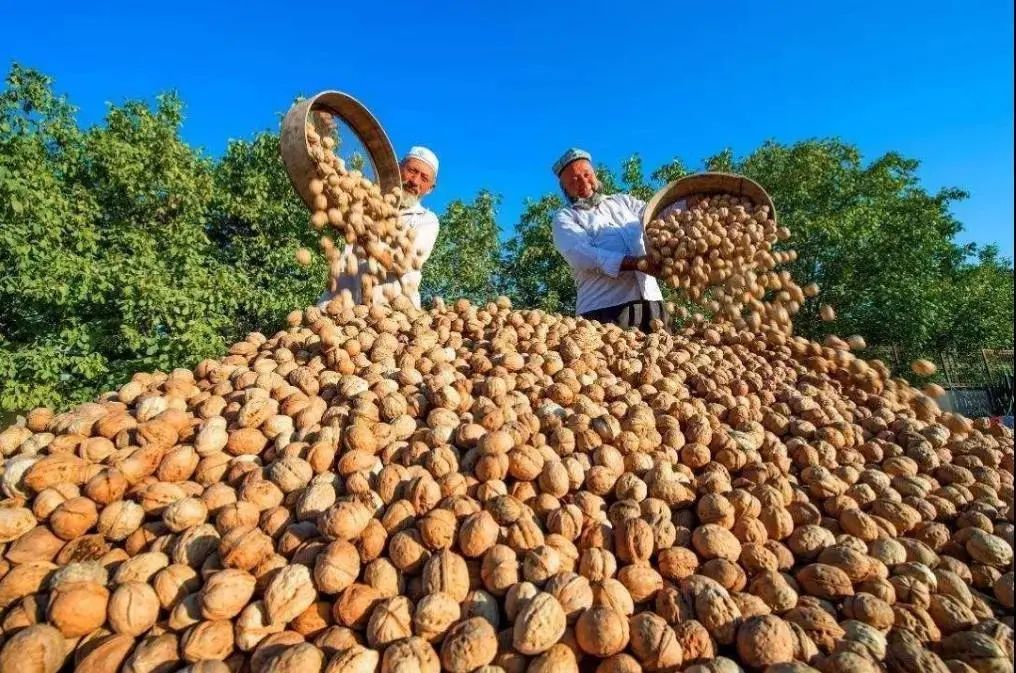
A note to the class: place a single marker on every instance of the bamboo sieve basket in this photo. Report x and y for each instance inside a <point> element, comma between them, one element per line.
<point>296,151</point>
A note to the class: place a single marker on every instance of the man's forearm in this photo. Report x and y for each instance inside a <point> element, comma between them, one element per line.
<point>645,264</point>
<point>629,263</point>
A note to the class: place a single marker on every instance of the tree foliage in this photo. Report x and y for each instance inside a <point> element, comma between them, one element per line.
<point>539,276</point>
<point>124,249</point>
<point>465,261</point>
<point>257,222</point>
<point>881,248</point>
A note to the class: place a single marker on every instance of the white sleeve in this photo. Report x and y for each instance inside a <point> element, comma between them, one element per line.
<point>636,205</point>
<point>572,241</point>
<point>634,232</point>
<point>426,236</point>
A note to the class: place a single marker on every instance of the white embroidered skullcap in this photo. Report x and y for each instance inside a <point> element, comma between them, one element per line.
<point>424,155</point>
<point>574,154</point>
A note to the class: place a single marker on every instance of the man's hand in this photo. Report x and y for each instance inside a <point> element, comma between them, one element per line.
<point>645,264</point>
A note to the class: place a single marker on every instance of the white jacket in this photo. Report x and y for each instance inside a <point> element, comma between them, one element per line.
<point>426,225</point>
<point>594,241</point>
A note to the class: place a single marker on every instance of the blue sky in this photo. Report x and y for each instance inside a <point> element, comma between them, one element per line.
<point>498,90</point>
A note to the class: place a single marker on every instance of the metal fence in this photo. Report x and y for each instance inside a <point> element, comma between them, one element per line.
<point>977,383</point>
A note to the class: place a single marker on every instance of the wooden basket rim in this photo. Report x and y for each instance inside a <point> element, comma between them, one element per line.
<point>296,151</point>
<point>708,182</point>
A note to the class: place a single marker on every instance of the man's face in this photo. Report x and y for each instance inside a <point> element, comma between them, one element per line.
<point>417,177</point>
<point>578,179</point>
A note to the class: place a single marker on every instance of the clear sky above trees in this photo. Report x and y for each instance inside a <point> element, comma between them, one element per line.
<point>498,90</point>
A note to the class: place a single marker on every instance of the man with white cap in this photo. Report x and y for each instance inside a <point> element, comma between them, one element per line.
<point>601,238</point>
<point>419,177</point>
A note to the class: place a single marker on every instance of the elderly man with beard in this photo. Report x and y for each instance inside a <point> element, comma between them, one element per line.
<point>601,238</point>
<point>419,177</point>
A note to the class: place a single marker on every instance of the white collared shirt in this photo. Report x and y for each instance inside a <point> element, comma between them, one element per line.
<point>594,242</point>
<point>426,225</point>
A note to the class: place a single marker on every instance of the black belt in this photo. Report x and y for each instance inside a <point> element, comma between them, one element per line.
<point>639,314</point>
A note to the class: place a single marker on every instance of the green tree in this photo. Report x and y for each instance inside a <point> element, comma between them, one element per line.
<point>125,250</point>
<point>44,238</point>
<point>466,258</point>
<point>107,266</point>
<point>979,304</point>
<point>257,222</point>
<point>881,247</point>
<point>537,275</point>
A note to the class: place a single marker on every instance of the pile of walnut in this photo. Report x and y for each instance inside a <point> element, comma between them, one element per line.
<point>380,247</point>
<point>718,252</point>
<point>486,490</point>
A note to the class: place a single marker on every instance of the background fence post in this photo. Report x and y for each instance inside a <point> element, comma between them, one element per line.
<point>945,369</point>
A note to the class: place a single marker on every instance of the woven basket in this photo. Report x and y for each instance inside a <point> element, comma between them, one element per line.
<point>296,151</point>
<point>706,183</point>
